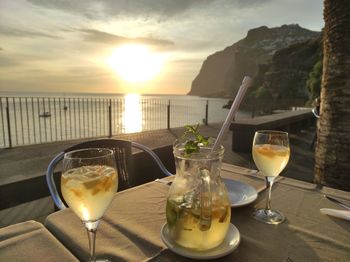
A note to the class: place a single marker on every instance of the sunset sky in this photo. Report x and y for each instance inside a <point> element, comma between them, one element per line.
<point>121,46</point>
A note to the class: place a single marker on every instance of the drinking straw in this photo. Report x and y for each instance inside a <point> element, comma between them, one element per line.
<point>234,108</point>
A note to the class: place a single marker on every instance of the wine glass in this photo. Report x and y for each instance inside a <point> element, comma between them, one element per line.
<point>88,184</point>
<point>271,154</point>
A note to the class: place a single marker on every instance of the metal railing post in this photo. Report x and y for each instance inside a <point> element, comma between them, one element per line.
<point>8,122</point>
<point>110,117</point>
<point>168,114</point>
<point>206,112</point>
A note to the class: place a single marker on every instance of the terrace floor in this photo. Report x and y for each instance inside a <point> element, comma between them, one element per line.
<point>26,162</point>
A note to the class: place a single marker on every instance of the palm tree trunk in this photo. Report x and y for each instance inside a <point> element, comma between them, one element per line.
<point>332,157</point>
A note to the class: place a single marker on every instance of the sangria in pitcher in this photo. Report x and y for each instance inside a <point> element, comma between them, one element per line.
<point>198,209</point>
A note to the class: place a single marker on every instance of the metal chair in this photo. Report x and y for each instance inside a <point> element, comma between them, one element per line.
<point>315,111</point>
<point>123,156</point>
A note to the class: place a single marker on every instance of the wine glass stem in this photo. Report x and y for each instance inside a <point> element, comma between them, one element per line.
<point>91,228</point>
<point>269,182</point>
<point>92,238</point>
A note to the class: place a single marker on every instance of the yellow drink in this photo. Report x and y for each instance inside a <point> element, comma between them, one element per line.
<point>88,190</point>
<point>184,224</point>
<point>270,159</point>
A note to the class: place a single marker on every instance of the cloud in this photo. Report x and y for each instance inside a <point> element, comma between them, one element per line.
<point>24,33</point>
<point>6,62</point>
<point>103,37</point>
<point>24,59</point>
<point>187,61</point>
<point>246,3</point>
<point>144,8</point>
<point>122,7</point>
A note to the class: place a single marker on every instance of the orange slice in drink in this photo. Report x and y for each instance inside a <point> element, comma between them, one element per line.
<point>77,193</point>
<point>92,183</point>
<point>265,150</point>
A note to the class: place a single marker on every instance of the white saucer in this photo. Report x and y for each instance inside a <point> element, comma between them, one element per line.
<point>229,244</point>
<point>240,194</point>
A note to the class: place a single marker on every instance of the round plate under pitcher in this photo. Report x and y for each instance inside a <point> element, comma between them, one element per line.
<point>229,244</point>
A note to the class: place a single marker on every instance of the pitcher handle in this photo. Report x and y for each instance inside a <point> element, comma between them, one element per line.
<point>205,196</point>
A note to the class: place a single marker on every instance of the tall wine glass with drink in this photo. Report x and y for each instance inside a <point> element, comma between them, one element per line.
<point>88,183</point>
<point>271,154</point>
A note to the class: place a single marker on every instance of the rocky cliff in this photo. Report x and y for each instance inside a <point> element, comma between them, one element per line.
<point>222,72</point>
<point>287,74</point>
<point>282,83</point>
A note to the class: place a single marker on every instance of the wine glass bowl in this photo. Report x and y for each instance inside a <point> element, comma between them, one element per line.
<point>271,154</point>
<point>88,184</point>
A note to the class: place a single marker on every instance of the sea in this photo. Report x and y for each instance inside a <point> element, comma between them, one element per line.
<point>35,118</point>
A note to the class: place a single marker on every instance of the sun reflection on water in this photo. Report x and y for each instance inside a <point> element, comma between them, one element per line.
<point>132,119</point>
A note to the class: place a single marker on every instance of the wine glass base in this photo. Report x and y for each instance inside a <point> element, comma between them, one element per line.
<point>273,217</point>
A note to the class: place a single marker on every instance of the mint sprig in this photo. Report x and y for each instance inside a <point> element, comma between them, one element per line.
<point>194,140</point>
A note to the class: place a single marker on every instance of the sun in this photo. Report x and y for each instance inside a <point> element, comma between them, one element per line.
<point>135,63</point>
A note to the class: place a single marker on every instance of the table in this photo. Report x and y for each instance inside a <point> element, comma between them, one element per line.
<point>31,241</point>
<point>130,230</point>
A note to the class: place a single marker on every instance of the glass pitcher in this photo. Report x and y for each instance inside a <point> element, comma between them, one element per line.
<point>198,209</point>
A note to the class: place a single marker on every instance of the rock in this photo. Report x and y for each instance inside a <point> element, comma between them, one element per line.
<point>222,73</point>
<point>285,77</point>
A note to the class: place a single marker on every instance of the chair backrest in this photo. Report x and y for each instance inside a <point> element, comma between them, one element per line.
<point>123,157</point>
<point>316,112</point>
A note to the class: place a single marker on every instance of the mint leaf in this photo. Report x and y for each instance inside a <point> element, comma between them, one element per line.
<point>194,139</point>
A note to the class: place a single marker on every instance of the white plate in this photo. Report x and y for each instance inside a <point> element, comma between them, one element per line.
<point>240,194</point>
<point>229,244</point>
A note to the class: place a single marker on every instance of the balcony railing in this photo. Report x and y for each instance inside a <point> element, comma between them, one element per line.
<point>35,120</point>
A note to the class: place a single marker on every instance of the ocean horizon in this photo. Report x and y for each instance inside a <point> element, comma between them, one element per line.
<point>83,94</point>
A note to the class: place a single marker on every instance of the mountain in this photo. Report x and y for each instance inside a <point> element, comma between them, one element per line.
<point>292,78</point>
<point>222,73</point>
<point>286,76</point>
